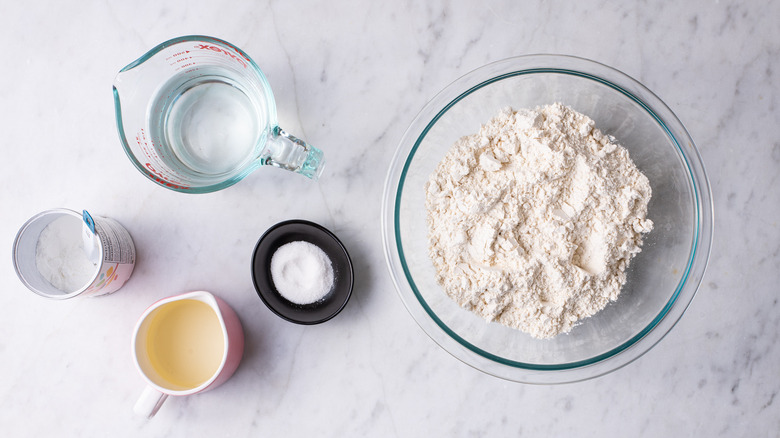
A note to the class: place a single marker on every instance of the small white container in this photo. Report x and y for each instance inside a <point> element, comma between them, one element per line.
<point>115,247</point>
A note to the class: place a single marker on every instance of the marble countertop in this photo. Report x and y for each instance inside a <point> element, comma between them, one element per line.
<point>349,77</point>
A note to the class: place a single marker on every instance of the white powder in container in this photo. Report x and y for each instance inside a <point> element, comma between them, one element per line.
<point>301,272</point>
<point>60,256</point>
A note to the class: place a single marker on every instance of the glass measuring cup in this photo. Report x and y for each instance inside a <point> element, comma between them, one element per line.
<point>195,114</point>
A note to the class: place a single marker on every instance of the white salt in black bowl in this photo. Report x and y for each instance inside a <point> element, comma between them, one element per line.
<point>662,279</point>
<point>296,231</point>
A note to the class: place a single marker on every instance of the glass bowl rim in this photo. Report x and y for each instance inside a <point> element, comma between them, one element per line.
<point>597,365</point>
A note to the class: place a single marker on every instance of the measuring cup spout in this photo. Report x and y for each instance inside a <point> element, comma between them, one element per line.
<point>289,152</point>
<point>127,103</point>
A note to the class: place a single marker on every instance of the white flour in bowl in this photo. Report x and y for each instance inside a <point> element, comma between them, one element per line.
<point>532,222</point>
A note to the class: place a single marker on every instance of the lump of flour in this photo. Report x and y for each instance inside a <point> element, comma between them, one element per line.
<point>532,221</point>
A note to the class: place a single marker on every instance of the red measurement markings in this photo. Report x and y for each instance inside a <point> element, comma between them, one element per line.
<point>143,143</point>
<point>152,156</point>
<point>160,178</point>
<point>176,55</point>
<point>177,58</point>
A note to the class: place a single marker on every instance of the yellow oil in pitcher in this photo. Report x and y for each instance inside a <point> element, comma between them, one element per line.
<point>185,343</point>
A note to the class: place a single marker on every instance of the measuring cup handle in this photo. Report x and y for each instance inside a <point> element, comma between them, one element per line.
<point>289,152</point>
<point>149,402</point>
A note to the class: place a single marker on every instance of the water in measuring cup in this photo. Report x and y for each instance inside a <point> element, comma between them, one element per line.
<point>208,124</point>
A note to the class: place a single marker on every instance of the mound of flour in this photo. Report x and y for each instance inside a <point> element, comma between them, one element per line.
<point>532,222</point>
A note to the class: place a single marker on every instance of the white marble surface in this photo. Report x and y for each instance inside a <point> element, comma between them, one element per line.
<point>349,76</point>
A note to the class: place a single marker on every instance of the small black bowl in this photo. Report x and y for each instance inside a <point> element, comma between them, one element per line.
<point>294,231</point>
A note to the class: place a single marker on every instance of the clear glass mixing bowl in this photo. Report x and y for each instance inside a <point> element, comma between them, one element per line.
<point>662,279</point>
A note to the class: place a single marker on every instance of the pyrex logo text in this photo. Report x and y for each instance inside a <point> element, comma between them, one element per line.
<point>221,50</point>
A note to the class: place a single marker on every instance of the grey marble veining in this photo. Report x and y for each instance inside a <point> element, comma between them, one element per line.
<point>349,77</point>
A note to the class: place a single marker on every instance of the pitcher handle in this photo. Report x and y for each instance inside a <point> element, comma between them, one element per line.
<point>289,152</point>
<point>149,402</point>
